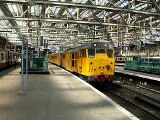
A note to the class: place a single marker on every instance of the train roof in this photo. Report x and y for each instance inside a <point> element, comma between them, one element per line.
<point>90,45</point>
<point>56,53</point>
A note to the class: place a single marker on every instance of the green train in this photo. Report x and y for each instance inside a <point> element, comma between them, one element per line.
<point>144,64</point>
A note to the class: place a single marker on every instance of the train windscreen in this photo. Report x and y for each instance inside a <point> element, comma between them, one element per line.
<point>91,53</point>
<point>100,50</point>
<point>109,53</point>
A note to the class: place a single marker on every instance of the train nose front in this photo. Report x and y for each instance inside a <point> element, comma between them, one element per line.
<point>105,68</point>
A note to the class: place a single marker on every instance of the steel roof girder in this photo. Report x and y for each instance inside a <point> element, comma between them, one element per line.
<point>156,5</point>
<point>7,13</point>
<point>73,22</point>
<point>83,6</point>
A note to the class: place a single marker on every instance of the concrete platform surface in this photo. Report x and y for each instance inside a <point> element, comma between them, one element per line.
<point>58,96</point>
<point>120,69</point>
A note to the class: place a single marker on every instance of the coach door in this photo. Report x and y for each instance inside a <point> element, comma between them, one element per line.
<point>76,61</point>
<point>80,62</point>
<point>82,56</point>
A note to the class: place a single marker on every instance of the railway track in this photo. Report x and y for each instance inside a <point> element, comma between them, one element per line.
<point>133,101</point>
<point>151,94</point>
<point>140,82</point>
<point>145,105</point>
<point>135,109</point>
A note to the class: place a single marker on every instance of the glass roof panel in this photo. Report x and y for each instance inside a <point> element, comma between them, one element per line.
<point>156,21</point>
<point>62,0</point>
<point>72,11</point>
<point>1,13</point>
<point>13,8</point>
<point>108,13</point>
<point>36,10</point>
<point>81,1</point>
<point>153,10</point>
<point>56,10</point>
<point>121,3</point>
<point>103,2</point>
<point>5,25</point>
<point>52,0</point>
<point>140,6</point>
<point>100,15</point>
<point>86,13</point>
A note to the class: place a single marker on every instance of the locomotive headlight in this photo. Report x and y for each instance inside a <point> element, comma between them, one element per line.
<point>101,72</point>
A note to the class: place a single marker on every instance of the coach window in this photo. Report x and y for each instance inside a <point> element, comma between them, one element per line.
<point>83,53</point>
<point>100,50</point>
<point>73,60</point>
<point>91,53</point>
<point>54,56</point>
<point>109,53</point>
<point>63,56</point>
<point>73,56</point>
<point>76,55</point>
<point>2,56</point>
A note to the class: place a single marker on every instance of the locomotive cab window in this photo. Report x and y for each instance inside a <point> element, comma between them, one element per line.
<point>83,52</point>
<point>109,53</point>
<point>100,50</point>
<point>91,53</point>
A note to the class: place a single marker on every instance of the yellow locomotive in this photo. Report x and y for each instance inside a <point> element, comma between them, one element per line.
<point>93,61</point>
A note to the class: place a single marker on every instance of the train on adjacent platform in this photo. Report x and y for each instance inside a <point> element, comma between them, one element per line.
<point>92,61</point>
<point>120,60</point>
<point>144,64</point>
<point>123,59</point>
<point>8,58</point>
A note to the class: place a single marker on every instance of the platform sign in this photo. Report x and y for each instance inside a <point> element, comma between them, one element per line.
<point>45,43</point>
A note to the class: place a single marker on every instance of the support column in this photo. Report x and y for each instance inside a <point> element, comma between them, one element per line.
<point>22,91</point>
<point>27,82</point>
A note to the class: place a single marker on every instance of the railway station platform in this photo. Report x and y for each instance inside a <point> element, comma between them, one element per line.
<point>119,64</point>
<point>57,96</point>
<point>120,69</point>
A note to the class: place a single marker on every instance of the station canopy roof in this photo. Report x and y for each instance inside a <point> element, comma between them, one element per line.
<point>69,23</point>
